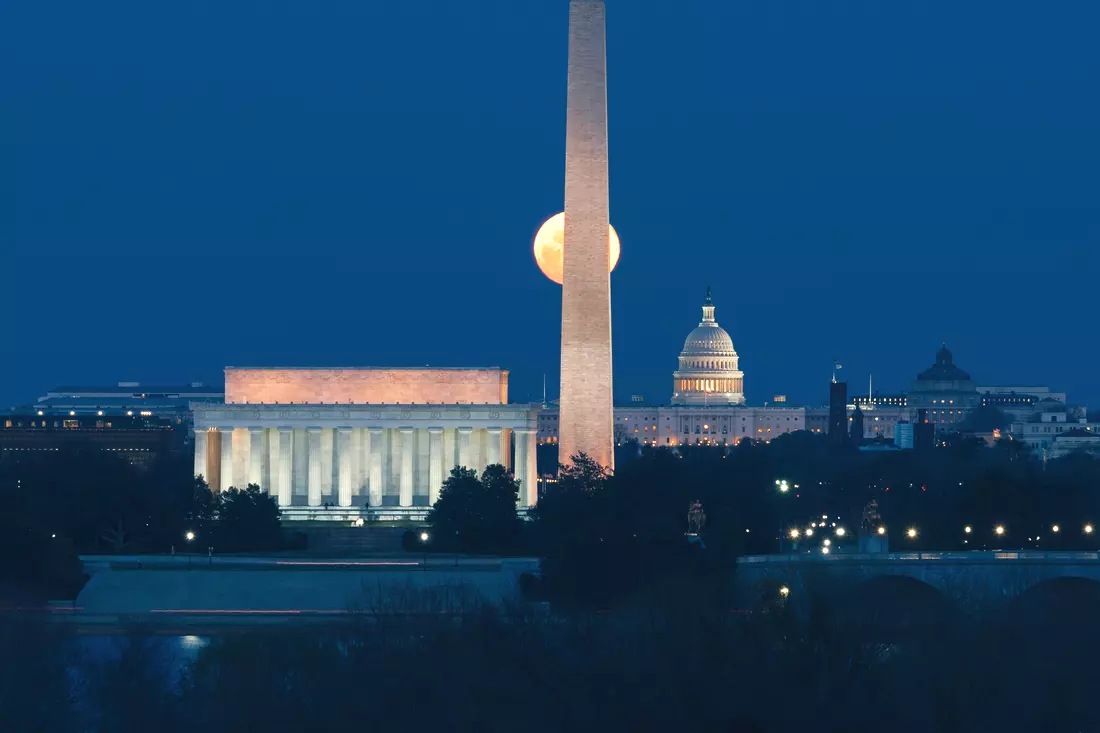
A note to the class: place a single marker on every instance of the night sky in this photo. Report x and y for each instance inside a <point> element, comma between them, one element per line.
<point>190,185</point>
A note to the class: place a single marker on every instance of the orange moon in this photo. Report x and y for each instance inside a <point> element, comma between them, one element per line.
<point>550,246</point>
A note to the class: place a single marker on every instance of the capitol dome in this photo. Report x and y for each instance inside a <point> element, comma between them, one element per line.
<point>708,373</point>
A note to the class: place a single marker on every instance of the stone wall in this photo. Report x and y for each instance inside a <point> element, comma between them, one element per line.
<point>366,386</point>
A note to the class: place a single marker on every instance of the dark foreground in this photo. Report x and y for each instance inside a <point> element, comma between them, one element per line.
<point>675,659</point>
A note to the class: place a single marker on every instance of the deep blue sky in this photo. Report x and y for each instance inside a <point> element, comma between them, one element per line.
<point>193,184</point>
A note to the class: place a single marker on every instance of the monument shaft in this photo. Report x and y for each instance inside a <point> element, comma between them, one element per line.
<point>586,416</point>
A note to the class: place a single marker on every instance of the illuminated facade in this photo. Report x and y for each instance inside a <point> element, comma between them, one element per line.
<point>946,391</point>
<point>708,373</point>
<point>357,438</point>
<point>673,425</point>
<point>138,438</point>
<point>586,394</point>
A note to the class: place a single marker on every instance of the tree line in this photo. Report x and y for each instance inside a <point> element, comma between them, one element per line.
<point>601,535</point>
<point>59,504</point>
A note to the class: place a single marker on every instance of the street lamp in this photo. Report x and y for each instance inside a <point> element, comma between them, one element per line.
<point>810,532</point>
<point>1088,529</point>
<point>882,530</point>
<point>839,531</point>
<point>968,529</point>
<point>784,591</point>
<point>999,529</point>
<point>423,536</point>
<point>794,534</point>
<point>911,533</point>
<point>190,536</point>
<point>783,486</point>
<point>824,550</point>
<point>1056,528</point>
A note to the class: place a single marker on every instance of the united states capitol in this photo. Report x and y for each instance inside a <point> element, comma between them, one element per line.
<point>708,405</point>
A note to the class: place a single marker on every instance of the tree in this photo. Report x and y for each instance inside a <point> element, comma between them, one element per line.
<point>248,519</point>
<point>477,515</point>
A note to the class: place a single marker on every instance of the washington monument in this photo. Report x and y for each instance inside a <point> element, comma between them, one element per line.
<point>586,418</point>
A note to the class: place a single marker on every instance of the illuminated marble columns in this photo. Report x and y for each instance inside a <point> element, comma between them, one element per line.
<point>395,457</point>
<point>492,447</point>
<point>315,462</point>
<point>585,424</point>
<point>226,468</point>
<point>256,457</point>
<point>435,464</point>
<point>343,466</point>
<point>200,454</point>
<point>374,445</point>
<point>286,465</point>
<point>358,479</point>
<point>408,443</point>
<point>465,449</point>
<point>526,471</point>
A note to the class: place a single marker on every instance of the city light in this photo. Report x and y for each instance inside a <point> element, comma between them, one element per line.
<point>827,542</point>
<point>784,487</point>
<point>911,533</point>
<point>882,530</point>
<point>1088,529</point>
<point>968,529</point>
<point>784,591</point>
<point>839,531</point>
<point>999,529</point>
<point>423,536</point>
<point>809,533</point>
<point>1056,528</point>
<point>824,550</point>
<point>189,536</point>
<point>794,534</point>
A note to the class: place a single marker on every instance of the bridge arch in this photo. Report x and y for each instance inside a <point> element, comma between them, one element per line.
<point>1040,655</point>
<point>894,608</point>
<point>1063,607</point>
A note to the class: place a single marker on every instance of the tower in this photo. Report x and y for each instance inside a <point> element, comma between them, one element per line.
<point>838,412</point>
<point>586,419</point>
<point>855,432</point>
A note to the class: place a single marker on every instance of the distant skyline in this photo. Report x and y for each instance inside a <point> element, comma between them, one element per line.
<point>187,187</point>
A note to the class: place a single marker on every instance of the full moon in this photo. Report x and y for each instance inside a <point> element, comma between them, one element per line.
<point>550,245</point>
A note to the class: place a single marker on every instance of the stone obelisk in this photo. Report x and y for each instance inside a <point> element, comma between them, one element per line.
<point>586,418</point>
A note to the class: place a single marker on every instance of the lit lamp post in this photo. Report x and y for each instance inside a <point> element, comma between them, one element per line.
<point>424,537</point>
<point>190,537</point>
<point>792,535</point>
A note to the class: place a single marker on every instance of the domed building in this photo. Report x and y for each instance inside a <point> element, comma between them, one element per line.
<point>708,373</point>
<point>945,391</point>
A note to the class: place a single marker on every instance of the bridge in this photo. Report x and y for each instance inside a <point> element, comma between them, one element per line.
<point>924,587</point>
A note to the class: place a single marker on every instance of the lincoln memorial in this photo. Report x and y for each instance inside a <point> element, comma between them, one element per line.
<point>361,437</point>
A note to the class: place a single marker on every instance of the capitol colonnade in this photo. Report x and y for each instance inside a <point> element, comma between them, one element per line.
<point>392,458</point>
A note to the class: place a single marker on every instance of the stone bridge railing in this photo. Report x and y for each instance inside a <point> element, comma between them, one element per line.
<point>971,580</point>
